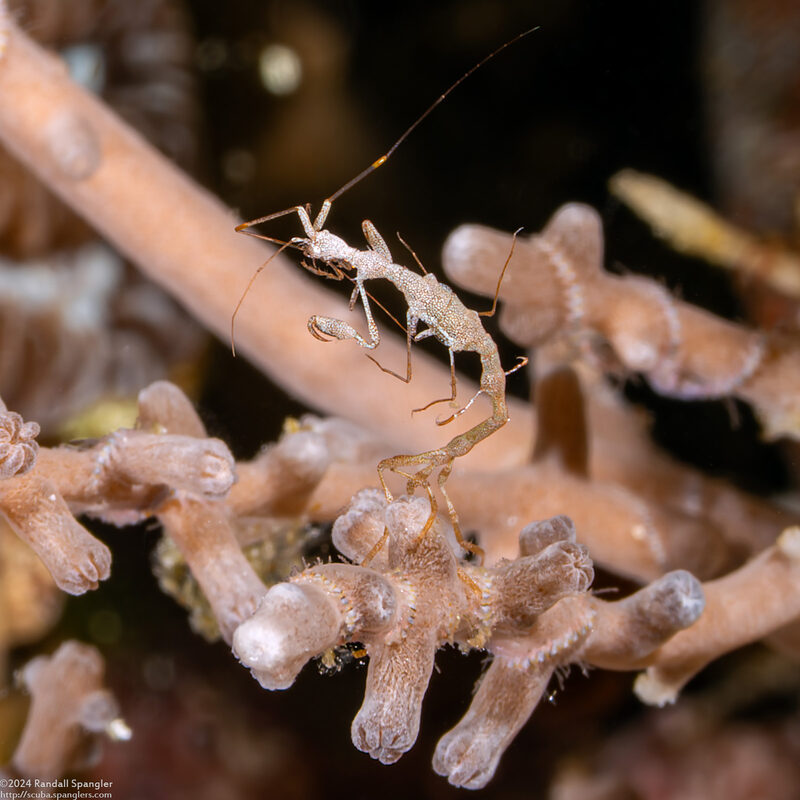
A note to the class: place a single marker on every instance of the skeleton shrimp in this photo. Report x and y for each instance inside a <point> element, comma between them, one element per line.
<point>435,304</point>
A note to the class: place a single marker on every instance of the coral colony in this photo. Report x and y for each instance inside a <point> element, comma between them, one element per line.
<point>717,568</point>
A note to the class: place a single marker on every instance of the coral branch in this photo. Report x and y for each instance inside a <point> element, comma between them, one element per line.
<point>415,599</point>
<point>37,511</point>
<point>202,531</point>
<point>629,630</point>
<point>556,284</point>
<point>579,629</point>
<point>675,519</point>
<point>407,591</point>
<point>693,228</point>
<point>506,697</point>
<point>533,613</point>
<point>624,532</point>
<point>638,511</point>
<point>122,478</point>
<point>199,472</point>
<point>280,481</point>
<point>168,468</point>
<point>742,607</point>
<point>69,708</point>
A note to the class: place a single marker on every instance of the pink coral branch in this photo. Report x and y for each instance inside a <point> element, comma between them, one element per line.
<point>168,468</point>
<point>533,613</point>
<point>557,284</point>
<point>69,705</point>
<point>199,472</point>
<point>742,607</point>
<point>685,521</point>
<point>122,478</point>
<point>694,228</point>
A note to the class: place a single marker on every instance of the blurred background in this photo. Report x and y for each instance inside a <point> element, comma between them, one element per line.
<point>272,104</point>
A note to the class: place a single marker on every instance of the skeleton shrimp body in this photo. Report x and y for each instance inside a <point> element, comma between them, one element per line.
<point>430,302</point>
<point>447,318</point>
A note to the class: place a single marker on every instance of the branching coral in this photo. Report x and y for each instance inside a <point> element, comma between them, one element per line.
<point>580,629</point>
<point>200,473</point>
<point>693,228</point>
<point>414,596</point>
<point>406,594</point>
<point>271,506</point>
<point>533,613</point>
<point>556,284</point>
<point>120,478</point>
<point>635,525</point>
<point>420,582</point>
<point>166,467</point>
<point>28,604</point>
<point>405,598</point>
<point>69,708</point>
<point>744,606</point>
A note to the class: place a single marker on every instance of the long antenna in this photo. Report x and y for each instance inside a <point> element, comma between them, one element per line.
<point>386,156</point>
